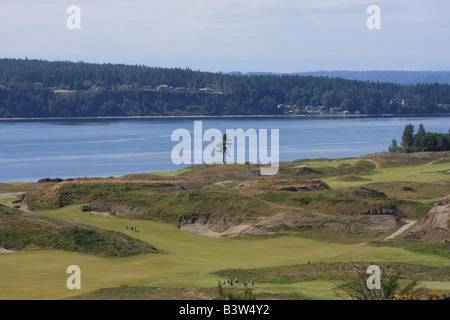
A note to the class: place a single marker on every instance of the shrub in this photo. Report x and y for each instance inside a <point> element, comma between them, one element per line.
<point>391,287</point>
<point>224,293</point>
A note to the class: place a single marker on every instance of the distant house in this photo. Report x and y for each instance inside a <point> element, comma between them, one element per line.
<point>284,107</point>
<point>357,112</point>
<point>96,88</point>
<point>206,89</point>
<point>406,102</point>
<point>58,87</point>
<point>181,89</point>
<point>336,110</point>
<point>394,101</point>
<point>345,112</point>
<point>38,84</point>
<point>322,108</point>
<point>164,87</point>
<point>311,108</point>
<point>125,87</point>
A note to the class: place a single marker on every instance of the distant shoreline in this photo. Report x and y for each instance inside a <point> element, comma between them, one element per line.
<point>338,116</point>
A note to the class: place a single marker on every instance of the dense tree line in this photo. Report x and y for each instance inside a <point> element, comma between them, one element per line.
<point>400,77</point>
<point>27,89</point>
<point>422,141</point>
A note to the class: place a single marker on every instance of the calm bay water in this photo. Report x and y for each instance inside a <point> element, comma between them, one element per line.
<point>35,149</point>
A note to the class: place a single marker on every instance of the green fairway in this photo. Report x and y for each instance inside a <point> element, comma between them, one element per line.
<point>186,261</point>
<point>413,173</point>
<point>172,173</point>
<point>7,202</point>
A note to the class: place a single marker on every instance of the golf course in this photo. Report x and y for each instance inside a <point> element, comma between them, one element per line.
<point>205,224</point>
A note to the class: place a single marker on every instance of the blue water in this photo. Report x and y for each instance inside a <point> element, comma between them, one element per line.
<point>35,149</point>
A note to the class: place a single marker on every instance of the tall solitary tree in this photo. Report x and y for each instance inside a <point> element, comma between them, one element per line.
<point>223,147</point>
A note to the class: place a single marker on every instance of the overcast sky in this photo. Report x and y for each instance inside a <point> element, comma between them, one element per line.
<point>283,36</point>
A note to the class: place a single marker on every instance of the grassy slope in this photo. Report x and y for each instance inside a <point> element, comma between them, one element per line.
<point>21,231</point>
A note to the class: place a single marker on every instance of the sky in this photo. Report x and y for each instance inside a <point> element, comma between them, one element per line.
<point>281,36</point>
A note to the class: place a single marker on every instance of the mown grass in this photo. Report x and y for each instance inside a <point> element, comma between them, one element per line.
<point>422,173</point>
<point>8,202</point>
<point>441,248</point>
<point>173,173</point>
<point>307,281</point>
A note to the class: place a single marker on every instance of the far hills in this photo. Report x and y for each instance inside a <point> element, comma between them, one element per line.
<point>392,76</point>
<point>45,89</point>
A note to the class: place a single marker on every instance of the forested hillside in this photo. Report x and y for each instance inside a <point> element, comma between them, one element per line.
<point>400,77</point>
<point>35,88</point>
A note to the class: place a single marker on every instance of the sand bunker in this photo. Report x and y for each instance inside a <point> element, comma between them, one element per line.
<point>101,214</point>
<point>223,183</point>
<point>203,230</point>
<point>10,195</point>
<point>2,251</point>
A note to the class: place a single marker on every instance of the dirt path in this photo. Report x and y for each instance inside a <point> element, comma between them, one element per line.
<point>377,165</point>
<point>409,224</point>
